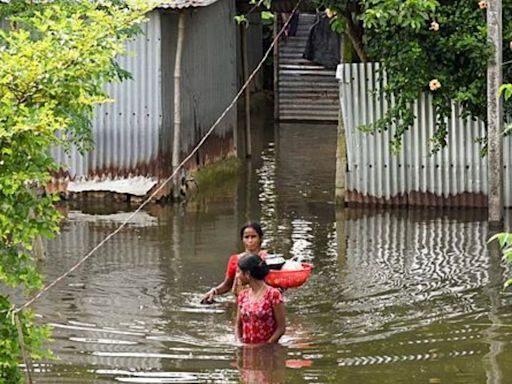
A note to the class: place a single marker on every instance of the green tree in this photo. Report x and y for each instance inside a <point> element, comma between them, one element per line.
<point>434,46</point>
<point>56,58</point>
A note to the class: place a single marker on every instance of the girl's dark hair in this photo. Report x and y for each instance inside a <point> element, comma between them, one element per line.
<point>255,265</point>
<point>254,225</point>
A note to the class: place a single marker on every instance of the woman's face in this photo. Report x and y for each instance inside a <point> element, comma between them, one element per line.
<point>251,240</point>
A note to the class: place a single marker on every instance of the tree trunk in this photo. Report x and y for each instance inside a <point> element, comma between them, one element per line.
<point>355,34</point>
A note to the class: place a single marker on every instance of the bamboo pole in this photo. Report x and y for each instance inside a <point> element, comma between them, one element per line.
<point>495,114</point>
<point>177,103</point>
<point>276,66</point>
<point>247,92</point>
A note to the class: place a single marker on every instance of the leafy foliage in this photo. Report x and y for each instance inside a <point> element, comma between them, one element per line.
<point>56,57</point>
<point>427,46</point>
<point>505,242</point>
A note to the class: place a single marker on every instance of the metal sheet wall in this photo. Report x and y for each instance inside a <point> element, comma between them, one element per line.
<point>454,176</point>
<point>307,91</point>
<point>126,132</point>
<point>209,78</point>
<point>254,51</point>
<point>4,24</point>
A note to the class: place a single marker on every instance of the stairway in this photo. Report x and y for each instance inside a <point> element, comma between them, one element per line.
<point>306,91</point>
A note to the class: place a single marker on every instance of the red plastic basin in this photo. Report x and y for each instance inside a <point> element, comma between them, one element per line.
<point>289,279</point>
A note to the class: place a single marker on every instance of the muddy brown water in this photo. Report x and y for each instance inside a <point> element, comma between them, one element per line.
<point>397,296</point>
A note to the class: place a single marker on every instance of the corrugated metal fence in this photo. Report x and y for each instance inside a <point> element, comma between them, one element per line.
<point>126,132</point>
<point>133,136</point>
<point>454,176</point>
<point>209,79</point>
<point>306,91</point>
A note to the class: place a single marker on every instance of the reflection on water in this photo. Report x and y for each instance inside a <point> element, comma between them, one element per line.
<point>394,295</point>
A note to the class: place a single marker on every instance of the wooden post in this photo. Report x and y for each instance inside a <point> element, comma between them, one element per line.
<point>247,92</point>
<point>341,237</point>
<point>341,162</point>
<point>177,104</point>
<point>276,66</point>
<point>495,114</point>
<point>38,248</point>
<point>341,148</point>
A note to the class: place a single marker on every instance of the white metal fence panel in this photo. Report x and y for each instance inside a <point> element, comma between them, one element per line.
<point>454,176</point>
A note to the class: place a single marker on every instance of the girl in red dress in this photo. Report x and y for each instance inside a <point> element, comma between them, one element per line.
<point>252,237</point>
<point>261,315</point>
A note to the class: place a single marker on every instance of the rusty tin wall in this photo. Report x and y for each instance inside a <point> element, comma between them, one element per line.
<point>209,79</point>
<point>126,132</point>
<point>455,176</point>
<point>133,136</point>
<point>254,50</point>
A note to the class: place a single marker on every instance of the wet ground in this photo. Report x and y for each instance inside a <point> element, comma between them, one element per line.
<point>397,296</point>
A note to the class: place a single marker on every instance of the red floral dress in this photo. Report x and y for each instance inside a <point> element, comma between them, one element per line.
<point>258,321</point>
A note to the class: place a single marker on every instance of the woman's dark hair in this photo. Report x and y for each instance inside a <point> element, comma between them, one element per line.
<point>255,265</point>
<point>254,225</point>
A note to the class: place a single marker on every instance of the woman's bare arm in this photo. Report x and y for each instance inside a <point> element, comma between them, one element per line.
<point>280,316</point>
<point>238,325</point>
<point>220,289</point>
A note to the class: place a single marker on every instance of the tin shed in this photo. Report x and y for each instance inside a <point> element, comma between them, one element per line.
<point>134,136</point>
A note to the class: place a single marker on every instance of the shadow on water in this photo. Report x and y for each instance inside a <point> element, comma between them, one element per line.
<point>396,295</point>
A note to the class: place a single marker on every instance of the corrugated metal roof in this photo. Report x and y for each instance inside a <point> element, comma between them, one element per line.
<point>180,4</point>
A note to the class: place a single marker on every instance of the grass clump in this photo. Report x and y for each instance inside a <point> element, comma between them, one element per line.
<point>218,174</point>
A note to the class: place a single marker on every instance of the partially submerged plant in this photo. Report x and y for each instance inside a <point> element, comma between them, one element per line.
<point>505,242</point>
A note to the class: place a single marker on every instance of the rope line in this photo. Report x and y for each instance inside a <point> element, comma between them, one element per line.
<point>180,165</point>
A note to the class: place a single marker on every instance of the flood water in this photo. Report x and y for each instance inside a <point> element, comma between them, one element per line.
<point>397,296</point>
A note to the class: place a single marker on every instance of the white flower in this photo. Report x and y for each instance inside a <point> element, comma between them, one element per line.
<point>330,13</point>
<point>434,84</point>
<point>434,26</point>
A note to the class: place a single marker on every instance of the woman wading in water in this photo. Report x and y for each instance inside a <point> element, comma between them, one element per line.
<point>261,315</point>
<point>251,235</point>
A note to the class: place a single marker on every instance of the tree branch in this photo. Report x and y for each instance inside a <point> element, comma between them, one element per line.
<point>354,32</point>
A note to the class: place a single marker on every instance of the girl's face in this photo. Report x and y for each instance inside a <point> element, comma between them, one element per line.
<point>242,276</point>
<point>251,240</point>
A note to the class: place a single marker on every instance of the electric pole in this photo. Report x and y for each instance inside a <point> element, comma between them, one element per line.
<point>495,114</point>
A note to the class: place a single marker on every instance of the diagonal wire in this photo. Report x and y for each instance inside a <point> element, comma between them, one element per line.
<point>47,287</point>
